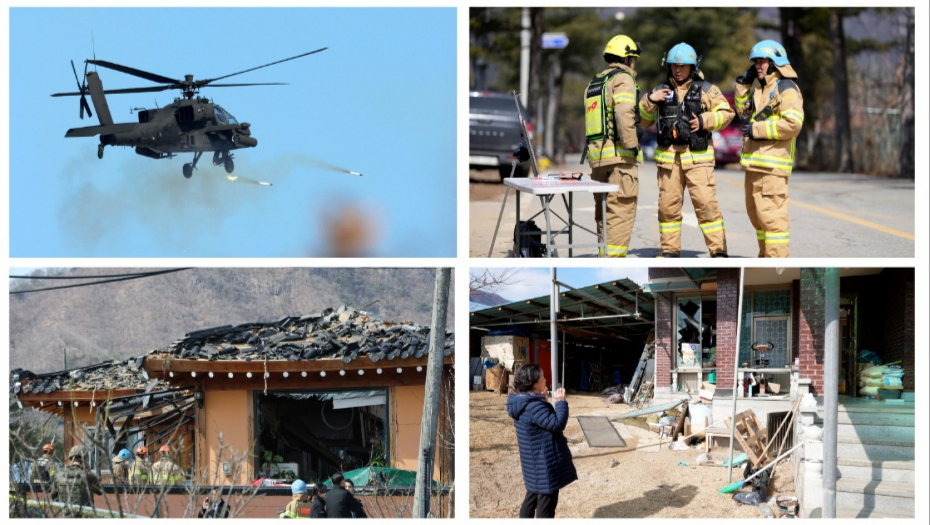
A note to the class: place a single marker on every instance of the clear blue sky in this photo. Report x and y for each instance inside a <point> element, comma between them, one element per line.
<point>381,100</point>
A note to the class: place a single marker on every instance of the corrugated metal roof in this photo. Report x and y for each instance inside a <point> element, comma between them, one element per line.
<point>611,308</point>
<point>688,279</point>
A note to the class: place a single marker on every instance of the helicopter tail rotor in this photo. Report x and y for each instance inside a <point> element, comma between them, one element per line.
<point>82,88</point>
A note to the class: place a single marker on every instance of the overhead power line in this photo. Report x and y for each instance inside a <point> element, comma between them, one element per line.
<point>40,278</point>
<point>107,279</point>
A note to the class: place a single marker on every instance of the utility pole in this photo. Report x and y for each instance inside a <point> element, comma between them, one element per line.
<point>524,55</point>
<point>554,332</point>
<point>430,420</point>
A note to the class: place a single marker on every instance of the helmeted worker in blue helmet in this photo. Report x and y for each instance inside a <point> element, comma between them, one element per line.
<point>612,131</point>
<point>300,504</point>
<point>772,109</point>
<point>686,109</point>
<point>120,468</point>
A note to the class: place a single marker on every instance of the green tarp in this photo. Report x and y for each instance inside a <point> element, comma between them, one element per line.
<point>382,477</point>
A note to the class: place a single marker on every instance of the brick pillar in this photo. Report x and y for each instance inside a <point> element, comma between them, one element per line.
<point>811,327</point>
<point>897,342</point>
<point>665,339</point>
<point>727,317</point>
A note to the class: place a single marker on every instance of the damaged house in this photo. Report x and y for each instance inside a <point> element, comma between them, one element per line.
<point>300,397</point>
<point>681,326</point>
<point>782,340</point>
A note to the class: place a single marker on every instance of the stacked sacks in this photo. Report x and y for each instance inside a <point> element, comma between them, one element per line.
<point>874,379</point>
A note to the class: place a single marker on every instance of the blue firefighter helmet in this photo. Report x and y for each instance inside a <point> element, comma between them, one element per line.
<point>124,454</point>
<point>772,50</point>
<point>298,487</point>
<point>682,54</point>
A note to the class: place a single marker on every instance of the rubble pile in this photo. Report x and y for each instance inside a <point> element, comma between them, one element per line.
<point>344,333</point>
<point>112,375</point>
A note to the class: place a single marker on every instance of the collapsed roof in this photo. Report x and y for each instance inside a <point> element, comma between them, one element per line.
<point>345,334</point>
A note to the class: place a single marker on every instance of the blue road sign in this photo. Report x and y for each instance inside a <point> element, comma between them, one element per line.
<point>554,40</point>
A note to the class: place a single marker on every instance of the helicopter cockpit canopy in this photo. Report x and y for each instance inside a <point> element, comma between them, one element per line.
<point>223,116</point>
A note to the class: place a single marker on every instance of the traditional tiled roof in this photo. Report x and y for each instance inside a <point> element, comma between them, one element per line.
<point>344,333</point>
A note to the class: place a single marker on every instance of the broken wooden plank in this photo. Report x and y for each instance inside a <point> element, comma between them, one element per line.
<point>652,410</point>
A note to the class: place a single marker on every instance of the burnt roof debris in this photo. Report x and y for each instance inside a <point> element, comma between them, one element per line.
<point>344,333</point>
<point>112,375</point>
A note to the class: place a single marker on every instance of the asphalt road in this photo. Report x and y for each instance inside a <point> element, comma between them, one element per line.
<point>832,215</point>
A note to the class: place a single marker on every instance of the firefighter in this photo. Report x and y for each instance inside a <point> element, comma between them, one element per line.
<point>165,471</point>
<point>74,485</point>
<point>121,467</point>
<point>612,130</point>
<point>47,465</point>
<point>771,107</point>
<point>686,109</point>
<point>140,470</point>
<point>300,504</point>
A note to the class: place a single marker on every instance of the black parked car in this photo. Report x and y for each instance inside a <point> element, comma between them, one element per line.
<point>494,132</point>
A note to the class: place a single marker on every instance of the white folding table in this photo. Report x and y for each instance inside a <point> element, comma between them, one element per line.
<point>546,188</point>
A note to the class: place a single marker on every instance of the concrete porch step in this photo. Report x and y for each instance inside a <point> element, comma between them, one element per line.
<point>861,512</point>
<point>885,448</point>
<point>894,419</point>
<point>877,431</point>
<point>881,496</point>
<point>876,469</point>
<point>873,407</point>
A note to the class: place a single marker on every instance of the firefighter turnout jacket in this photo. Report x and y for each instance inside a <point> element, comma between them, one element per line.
<point>695,97</point>
<point>139,471</point>
<point>777,114</point>
<point>299,507</point>
<point>166,472</point>
<point>610,104</point>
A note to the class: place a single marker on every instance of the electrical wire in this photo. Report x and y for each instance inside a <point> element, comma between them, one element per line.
<point>139,276</point>
<point>39,278</point>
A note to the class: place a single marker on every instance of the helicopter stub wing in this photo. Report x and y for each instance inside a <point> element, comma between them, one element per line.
<point>90,131</point>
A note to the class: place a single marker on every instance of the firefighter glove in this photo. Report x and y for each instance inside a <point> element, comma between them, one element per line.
<point>747,78</point>
<point>639,132</point>
<point>747,131</point>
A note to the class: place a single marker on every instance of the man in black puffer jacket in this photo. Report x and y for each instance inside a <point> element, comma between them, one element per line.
<point>545,458</point>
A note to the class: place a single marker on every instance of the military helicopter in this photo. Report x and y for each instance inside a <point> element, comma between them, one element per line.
<point>190,124</point>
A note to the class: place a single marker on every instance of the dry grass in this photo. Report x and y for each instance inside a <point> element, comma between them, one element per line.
<point>642,480</point>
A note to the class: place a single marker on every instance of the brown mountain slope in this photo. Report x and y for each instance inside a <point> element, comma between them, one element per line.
<point>129,318</point>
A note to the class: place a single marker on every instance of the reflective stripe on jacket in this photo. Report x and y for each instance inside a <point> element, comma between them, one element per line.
<point>717,114</point>
<point>773,147</point>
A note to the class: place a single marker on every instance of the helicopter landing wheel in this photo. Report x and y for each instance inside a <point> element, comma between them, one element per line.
<point>100,151</point>
<point>188,171</point>
<point>229,165</point>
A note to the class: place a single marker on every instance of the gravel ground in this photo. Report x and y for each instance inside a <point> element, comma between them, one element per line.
<point>642,480</point>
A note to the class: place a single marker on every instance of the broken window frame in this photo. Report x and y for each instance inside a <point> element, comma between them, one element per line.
<point>690,376</point>
<point>386,437</point>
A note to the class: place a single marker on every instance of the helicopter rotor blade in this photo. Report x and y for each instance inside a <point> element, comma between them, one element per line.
<point>134,72</point>
<point>78,82</point>
<point>76,79</point>
<point>202,83</point>
<point>83,87</point>
<point>85,107</point>
<point>254,84</point>
<point>152,89</point>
